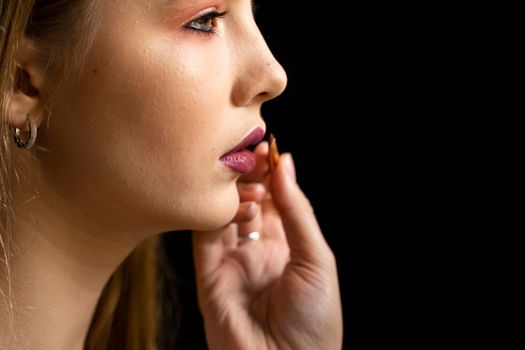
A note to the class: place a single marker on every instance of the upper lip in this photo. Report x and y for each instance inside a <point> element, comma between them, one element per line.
<point>253,138</point>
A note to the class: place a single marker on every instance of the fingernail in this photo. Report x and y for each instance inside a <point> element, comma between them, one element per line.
<point>290,168</point>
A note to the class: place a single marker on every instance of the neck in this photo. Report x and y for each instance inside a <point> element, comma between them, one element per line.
<point>58,267</point>
<point>53,296</point>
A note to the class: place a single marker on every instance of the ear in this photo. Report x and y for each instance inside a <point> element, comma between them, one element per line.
<point>25,99</point>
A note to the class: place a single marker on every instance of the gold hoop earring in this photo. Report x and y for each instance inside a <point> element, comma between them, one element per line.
<point>32,135</point>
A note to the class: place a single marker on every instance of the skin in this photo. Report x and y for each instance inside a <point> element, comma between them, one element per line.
<point>133,150</point>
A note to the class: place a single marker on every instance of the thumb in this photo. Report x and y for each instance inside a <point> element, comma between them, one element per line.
<point>302,229</point>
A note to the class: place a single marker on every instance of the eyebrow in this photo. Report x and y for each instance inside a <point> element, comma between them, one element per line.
<point>172,1</point>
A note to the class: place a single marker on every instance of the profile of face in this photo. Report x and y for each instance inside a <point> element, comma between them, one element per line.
<point>168,87</point>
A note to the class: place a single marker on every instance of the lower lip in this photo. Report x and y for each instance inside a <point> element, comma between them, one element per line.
<point>242,161</point>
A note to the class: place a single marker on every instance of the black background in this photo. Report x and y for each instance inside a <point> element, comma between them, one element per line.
<point>377,144</point>
<point>304,121</point>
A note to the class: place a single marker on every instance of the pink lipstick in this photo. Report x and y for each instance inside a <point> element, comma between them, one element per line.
<point>240,158</point>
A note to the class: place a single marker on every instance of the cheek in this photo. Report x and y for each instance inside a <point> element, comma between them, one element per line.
<point>176,112</point>
<point>152,122</point>
<point>183,138</point>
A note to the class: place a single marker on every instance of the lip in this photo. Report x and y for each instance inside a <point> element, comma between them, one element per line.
<point>241,159</point>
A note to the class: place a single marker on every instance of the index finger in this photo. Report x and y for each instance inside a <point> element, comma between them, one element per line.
<point>261,167</point>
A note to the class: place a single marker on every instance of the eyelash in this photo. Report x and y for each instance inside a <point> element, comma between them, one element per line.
<point>210,16</point>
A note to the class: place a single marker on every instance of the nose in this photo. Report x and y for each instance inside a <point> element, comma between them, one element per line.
<point>260,77</point>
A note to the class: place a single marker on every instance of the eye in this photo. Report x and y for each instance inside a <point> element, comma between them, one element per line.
<point>206,24</point>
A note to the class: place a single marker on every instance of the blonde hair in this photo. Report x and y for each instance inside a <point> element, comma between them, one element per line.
<point>128,313</point>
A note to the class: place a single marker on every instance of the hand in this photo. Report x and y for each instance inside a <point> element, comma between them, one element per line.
<point>279,292</point>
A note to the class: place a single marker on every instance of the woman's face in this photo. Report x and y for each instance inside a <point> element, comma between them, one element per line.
<point>164,93</point>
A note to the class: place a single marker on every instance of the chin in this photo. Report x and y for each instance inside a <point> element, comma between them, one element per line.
<point>215,211</point>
